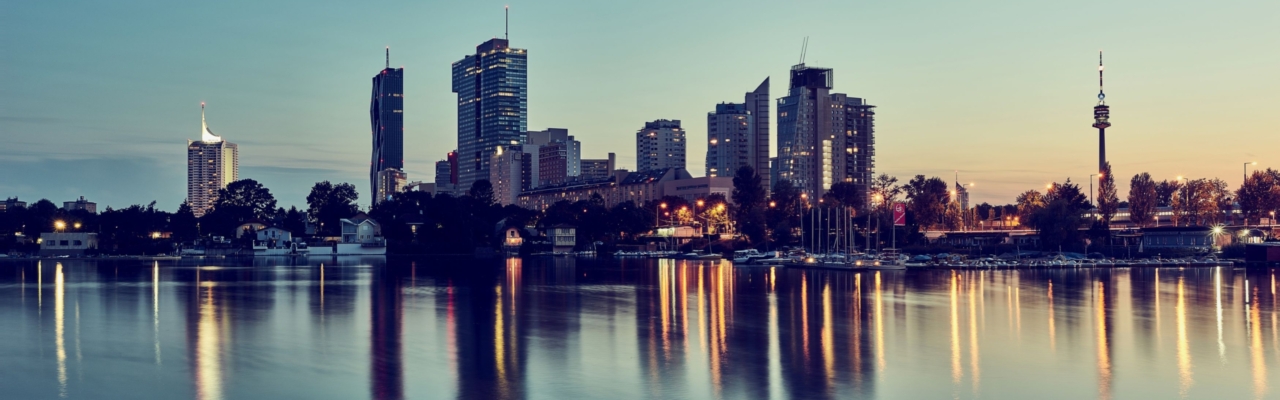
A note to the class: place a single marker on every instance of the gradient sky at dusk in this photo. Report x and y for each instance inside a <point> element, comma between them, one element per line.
<point>98,98</point>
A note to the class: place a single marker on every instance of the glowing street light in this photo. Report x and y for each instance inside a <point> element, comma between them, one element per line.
<point>77,225</point>
<point>59,225</point>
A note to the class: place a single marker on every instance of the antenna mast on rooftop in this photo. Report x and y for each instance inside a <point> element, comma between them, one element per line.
<point>506,22</point>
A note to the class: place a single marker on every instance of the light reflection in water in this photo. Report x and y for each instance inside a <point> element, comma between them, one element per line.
<point>155,308</point>
<point>1256,353</point>
<point>974,359</point>
<point>1104,351</point>
<point>1184,348</point>
<point>209,344</point>
<point>1217,295</point>
<point>828,351</point>
<point>879,327</point>
<point>59,289</point>
<point>955,333</point>
<point>769,343</point>
<point>1053,331</point>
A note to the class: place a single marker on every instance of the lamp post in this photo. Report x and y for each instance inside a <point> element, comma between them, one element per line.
<point>804,200</point>
<point>1246,170</point>
<point>1185,198</point>
<point>768,232</point>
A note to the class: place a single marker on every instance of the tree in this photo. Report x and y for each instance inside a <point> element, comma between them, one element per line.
<point>482,192</point>
<point>1259,194</point>
<point>1165,191</point>
<point>1143,198</point>
<point>749,197</point>
<point>1028,203</point>
<point>295,221</point>
<point>248,199</point>
<point>328,204</point>
<point>844,194</point>
<point>184,224</point>
<point>1059,221</point>
<point>784,212</point>
<point>927,199</point>
<point>1108,198</point>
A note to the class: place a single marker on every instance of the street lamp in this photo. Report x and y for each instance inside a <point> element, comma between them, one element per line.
<point>59,225</point>
<point>1185,198</point>
<point>77,225</point>
<point>1246,170</point>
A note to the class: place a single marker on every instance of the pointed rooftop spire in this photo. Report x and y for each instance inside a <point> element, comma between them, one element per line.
<point>388,57</point>
<point>1101,97</point>
<point>206,135</point>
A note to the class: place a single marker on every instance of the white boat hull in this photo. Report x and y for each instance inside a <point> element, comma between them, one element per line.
<point>347,249</point>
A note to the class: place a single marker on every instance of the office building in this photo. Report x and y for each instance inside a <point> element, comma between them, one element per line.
<point>386,117</point>
<point>506,175</point>
<point>660,145</point>
<point>446,180</point>
<point>553,161</point>
<point>823,137</point>
<point>80,204</point>
<point>599,168</point>
<point>212,164</point>
<point>388,182</point>
<point>571,148</point>
<point>493,106</point>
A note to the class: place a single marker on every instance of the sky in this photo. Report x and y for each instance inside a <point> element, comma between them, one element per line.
<point>97,99</point>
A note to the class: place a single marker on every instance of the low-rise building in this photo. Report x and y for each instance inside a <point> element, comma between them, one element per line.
<point>67,243</point>
<point>699,188</point>
<point>563,238</point>
<point>1193,238</point>
<point>80,204</point>
<point>639,187</point>
<point>12,203</point>
<point>361,229</point>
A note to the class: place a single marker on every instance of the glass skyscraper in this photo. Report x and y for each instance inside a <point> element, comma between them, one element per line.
<point>823,137</point>
<point>493,106</point>
<point>386,117</point>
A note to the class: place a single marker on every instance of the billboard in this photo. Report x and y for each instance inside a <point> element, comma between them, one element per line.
<point>899,214</point>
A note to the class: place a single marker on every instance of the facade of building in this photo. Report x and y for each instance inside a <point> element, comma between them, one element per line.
<point>660,145</point>
<point>386,119</point>
<point>387,183</point>
<point>571,147</point>
<point>553,161</point>
<point>639,187</point>
<point>212,164</point>
<point>730,133</point>
<point>693,189</point>
<point>80,204</point>
<point>823,137</point>
<point>506,174</point>
<point>67,243</point>
<point>599,168</point>
<point>12,203</point>
<point>757,102</point>
<point>492,88</point>
<point>447,174</point>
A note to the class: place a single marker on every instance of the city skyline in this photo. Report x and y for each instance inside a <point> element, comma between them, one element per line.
<point>1004,110</point>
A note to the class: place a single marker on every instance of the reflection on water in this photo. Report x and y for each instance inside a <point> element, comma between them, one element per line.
<point>566,328</point>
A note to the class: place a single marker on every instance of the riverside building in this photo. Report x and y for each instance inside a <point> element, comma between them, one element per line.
<point>823,137</point>
<point>492,88</point>
<point>212,164</point>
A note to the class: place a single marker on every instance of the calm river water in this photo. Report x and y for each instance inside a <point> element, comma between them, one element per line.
<point>566,328</point>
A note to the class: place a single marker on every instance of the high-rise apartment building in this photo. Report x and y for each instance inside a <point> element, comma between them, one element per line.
<point>212,164</point>
<point>823,137</point>
<point>660,145</point>
<point>757,102</point>
<point>80,204</point>
<point>493,98</point>
<point>729,137</point>
<point>386,119</point>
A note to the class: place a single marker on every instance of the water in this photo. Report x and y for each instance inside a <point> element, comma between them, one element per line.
<point>564,328</point>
